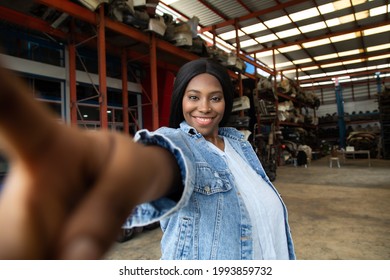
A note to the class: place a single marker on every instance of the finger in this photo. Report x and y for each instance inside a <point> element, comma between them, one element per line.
<point>25,125</point>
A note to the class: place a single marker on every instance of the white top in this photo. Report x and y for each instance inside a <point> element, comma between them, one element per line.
<point>263,205</point>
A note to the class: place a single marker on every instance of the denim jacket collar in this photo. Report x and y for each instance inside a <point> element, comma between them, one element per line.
<point>223,131</point>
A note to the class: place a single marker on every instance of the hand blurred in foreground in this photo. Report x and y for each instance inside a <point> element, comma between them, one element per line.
<point>68,190</point>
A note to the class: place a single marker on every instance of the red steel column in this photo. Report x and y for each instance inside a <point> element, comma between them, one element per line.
<point>72,84</point>
<point>125,94</point>
<point>102,68</point>
<point>153,80</point>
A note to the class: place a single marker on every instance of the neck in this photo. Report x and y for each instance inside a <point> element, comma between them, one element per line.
<point>217,141</point>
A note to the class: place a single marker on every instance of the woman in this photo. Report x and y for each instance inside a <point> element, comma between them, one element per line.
<point>203,181</point>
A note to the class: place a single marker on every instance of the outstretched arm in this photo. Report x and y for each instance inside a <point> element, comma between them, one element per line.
<point>68,190</point>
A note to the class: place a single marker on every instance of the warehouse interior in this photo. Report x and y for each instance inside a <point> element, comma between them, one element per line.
<point>312,85</point>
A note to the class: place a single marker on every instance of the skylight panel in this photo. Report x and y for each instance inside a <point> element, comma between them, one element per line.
<point>305,14</point>
<point>277,21</point>
<point>378,11</point>
<point>351,52</point>
<point>254,28</point>
<point>230,35</point>
<point>302,61</point>
<point>319,75</point>
<point>267,38</point>
<point>309,68</point>
<point>284,64</point>
<point>344,37</point>
<point>326,9</point>
<point>248,43</point>
<point>362,15</point>
<point>264,54</point>
<point>326,56</point>
<point>316,43</point>
<point>333,22</point>
<point>313,27</point>
<point>290,48</point>
<point>379,57</point>
<point>288,33</point>
<point>376,30</point>
<point>353,61</point>
<point>378,48</point>
<point>331,65</point>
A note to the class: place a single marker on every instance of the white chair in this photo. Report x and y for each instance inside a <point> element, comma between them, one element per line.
<point>332,159</point>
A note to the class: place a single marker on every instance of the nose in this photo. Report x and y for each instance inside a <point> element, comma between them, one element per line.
<point>204,106</point>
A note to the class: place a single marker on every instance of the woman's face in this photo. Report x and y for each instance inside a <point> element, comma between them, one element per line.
<point>204,104</point>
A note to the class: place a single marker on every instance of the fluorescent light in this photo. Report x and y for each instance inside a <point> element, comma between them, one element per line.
<point>288,33</point>
<point>267,38</point>
<point>305,14</point>
<point>344,37</point>
<point>85,116</point>
<point>230,34</point>
<point>378,48</point>
<point>277,21</point>
<point>290,48</point>
<point>326,56</point>
<point>316,43</point>
<point>312,27</point>
<point>254,28</point>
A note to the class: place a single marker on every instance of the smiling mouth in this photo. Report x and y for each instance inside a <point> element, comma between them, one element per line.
<point>203,120</point>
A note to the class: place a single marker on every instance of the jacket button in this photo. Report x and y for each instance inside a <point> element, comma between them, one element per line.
<point>207,189</point>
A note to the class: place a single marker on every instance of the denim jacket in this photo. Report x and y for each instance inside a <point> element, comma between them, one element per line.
<point>210,220</point>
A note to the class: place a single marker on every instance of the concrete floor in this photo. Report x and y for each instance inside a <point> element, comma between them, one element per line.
<point>334,213</point>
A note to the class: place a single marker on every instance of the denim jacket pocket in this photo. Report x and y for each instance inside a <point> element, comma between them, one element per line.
<point>209,181</point>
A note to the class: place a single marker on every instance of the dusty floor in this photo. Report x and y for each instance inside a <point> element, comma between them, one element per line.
<point>334,213</point>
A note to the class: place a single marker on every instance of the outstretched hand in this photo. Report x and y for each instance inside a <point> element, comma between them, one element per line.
<point>68,190</point>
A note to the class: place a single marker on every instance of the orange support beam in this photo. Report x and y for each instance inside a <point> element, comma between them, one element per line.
<point>72,84</point>
<point>102,68</point>
<point>125,94</point>
<point>153,81</point>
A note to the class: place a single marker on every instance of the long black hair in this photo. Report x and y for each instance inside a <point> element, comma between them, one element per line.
<point>185,75</point>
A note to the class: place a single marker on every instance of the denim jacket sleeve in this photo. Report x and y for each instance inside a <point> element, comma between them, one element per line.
<point>156,210</point>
